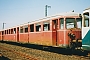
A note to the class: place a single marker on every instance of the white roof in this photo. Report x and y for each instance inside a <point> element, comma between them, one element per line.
<point>49,18</point>
<point>56,16</point>
<point>86,10</point>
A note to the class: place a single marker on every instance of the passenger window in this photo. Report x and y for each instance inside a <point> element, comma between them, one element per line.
<point>21,29</point>
<point>38,27</point>
<point>46,26</point>
<point>86,20</point>
<point>86,23</point>
<point>62,23</point>
<point>54,24</point>
<point>26,29</point>
<point>11,31</point>
<point>2,32</point>
<point>70,23</point>
<point>32,28</point>
<point>14,30</point>
<point>5,31</point>
<point>79,22</point>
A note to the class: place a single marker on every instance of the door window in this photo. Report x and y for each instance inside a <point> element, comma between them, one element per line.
<point>62,23</point>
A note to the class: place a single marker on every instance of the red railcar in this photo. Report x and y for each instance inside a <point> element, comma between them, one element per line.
<point>62,30</point>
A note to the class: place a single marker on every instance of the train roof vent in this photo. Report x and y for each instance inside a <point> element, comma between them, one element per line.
<point>72,11</point>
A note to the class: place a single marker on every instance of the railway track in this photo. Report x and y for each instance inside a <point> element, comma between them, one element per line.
<point>34,54</point>
<point>24,55</point>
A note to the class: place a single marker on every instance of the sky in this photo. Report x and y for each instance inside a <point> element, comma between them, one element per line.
<point>16,12</point>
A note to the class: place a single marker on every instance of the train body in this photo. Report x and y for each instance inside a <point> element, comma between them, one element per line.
<point>62,30</point>
<point>86,29</point>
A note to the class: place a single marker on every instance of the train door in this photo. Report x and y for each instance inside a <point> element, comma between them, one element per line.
<point>86,29</point>
<point>17,34</point>
<point>54,32</point>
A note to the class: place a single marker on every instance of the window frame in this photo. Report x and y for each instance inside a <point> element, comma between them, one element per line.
<point>38,27</point>
<point>48,25</point>
<point>21,29</point>
<point>32,28</point>
<point>86,15</point>
<point>60,23</point>
<point>75,23</point>
<point>80,22</point>
<point>26,29</point>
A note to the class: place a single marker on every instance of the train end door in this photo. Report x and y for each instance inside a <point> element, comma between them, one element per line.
<point>54,32</point>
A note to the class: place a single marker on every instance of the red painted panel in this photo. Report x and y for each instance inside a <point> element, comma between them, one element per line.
<point>47,38</point>
<point>23,37</point>
<point>54,37</point>
<point>60,37</point>
<point>76,32</point>
<point>10,37</point>
<point>35,37</point>
<point>42,38</point>
<point>0,35</point>
<point>67,39</point>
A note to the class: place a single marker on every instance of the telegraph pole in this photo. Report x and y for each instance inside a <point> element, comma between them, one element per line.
<point>46,6</point>
<point>3,25</point>
<point>3,32</point>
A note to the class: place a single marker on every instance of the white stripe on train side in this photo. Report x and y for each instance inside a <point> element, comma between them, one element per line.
<point>86,45</point>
